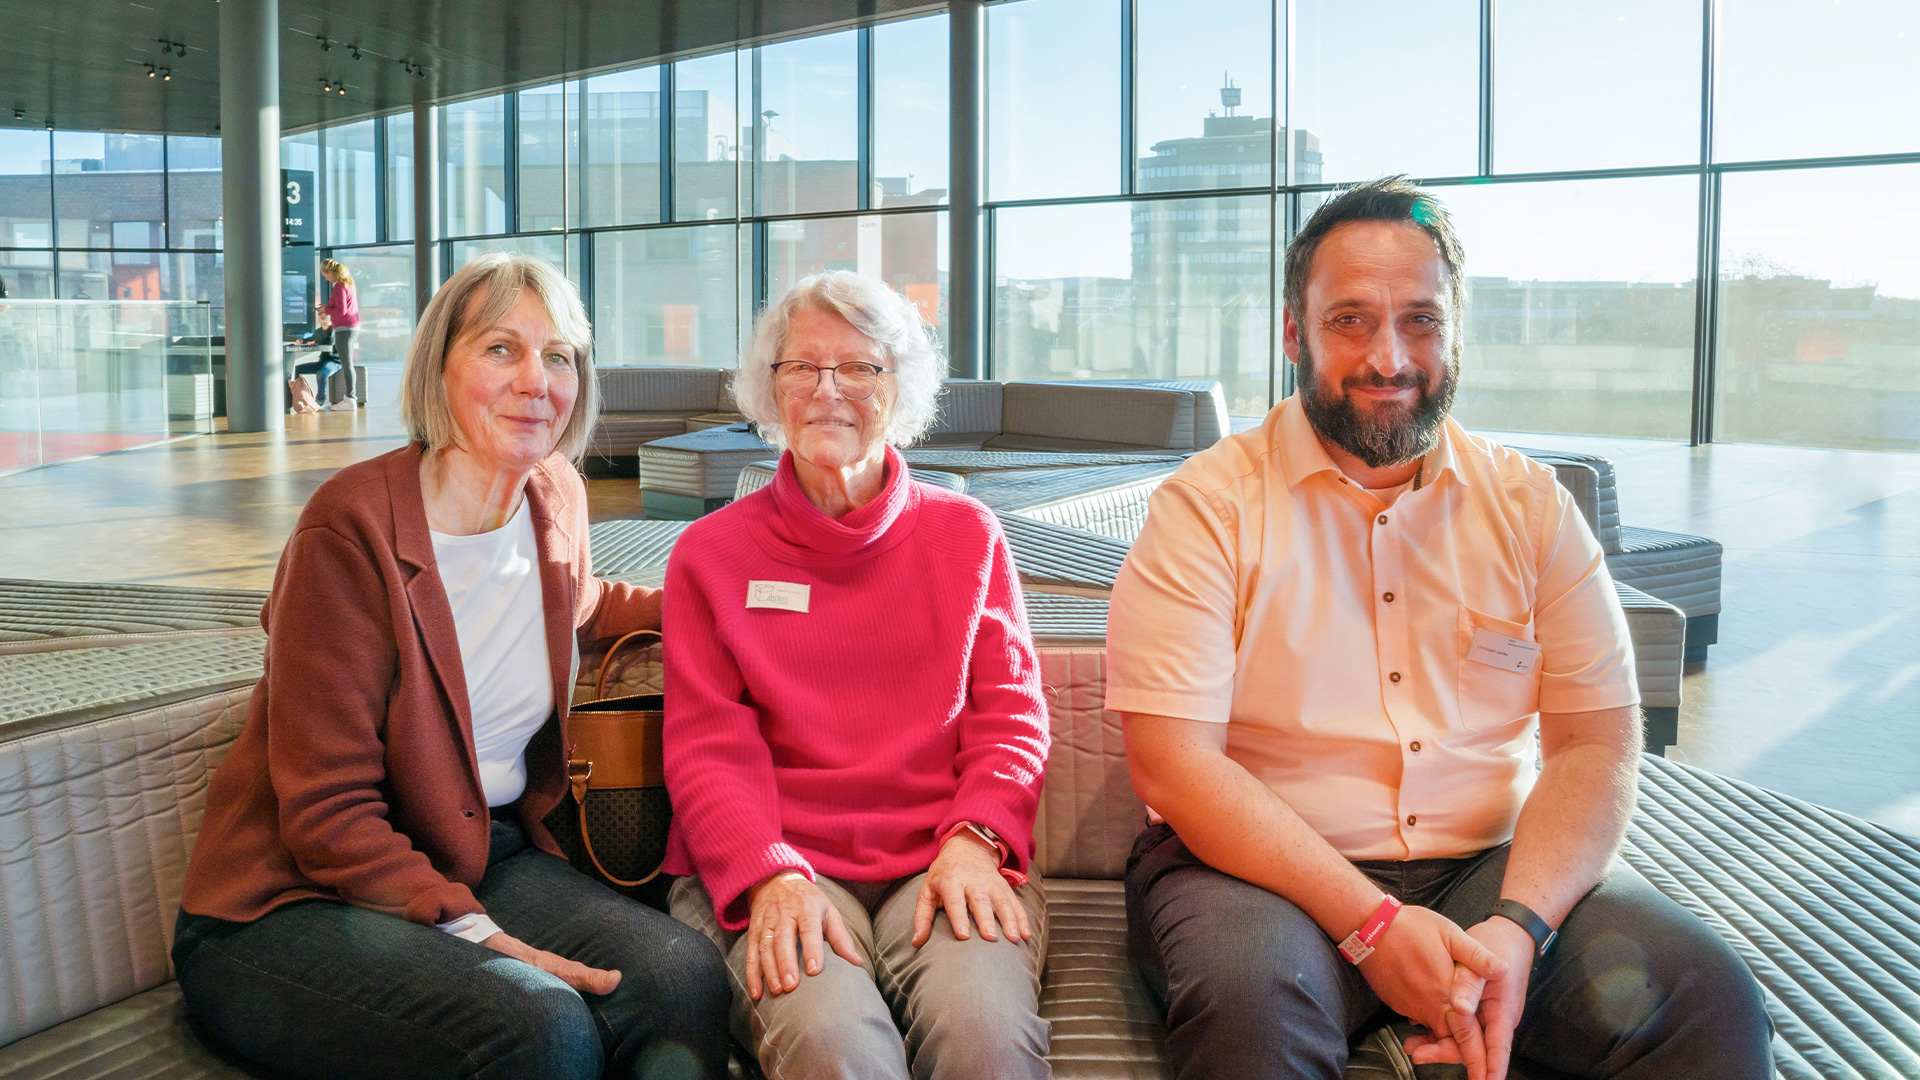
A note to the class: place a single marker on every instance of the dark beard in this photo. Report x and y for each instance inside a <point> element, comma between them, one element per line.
<point>1392,435</point>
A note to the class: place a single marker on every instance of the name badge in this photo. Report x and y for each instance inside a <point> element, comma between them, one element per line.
<point>1503,652</point>
<point>782,595</point>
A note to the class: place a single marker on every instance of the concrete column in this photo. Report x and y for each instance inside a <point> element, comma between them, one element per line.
<point>426,204</point>
<point>251,202</point>
<point>967,268</point>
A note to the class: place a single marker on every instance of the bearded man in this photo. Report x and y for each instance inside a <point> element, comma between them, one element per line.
<point>1332,647</point>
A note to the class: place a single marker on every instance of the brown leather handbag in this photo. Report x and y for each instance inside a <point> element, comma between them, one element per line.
<point>617,782</point>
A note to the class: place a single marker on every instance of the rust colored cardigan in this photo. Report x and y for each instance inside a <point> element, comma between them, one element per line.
<point>354,777</point>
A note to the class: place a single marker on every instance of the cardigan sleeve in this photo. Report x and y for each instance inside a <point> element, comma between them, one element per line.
<point>325,750</point>
<point>725,800</point>
<point>1003,725</point>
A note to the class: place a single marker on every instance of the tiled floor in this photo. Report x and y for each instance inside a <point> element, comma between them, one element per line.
<point>1814,688</point>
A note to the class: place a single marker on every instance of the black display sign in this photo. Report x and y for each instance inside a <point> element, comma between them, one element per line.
<point>297,206</point>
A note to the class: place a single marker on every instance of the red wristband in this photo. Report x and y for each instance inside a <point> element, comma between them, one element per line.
<point>1359,944</point>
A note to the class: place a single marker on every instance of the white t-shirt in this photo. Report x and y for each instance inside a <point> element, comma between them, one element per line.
<point>493,585</point>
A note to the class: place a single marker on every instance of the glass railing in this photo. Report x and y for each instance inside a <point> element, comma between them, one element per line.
<point>84,377</point>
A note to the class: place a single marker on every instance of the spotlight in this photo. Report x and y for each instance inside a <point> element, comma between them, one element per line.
<point>179,49</point>
<point>325,45</point>
<point>326,87</point>
<point>356,52</point>
<point>19,114</point>
<point>166,74</point>
<point>150,71</point>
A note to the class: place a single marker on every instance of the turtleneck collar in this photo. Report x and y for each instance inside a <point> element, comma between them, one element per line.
<point>802,532</point>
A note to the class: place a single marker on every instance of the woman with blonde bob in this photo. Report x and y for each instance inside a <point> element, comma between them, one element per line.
<point>855,736</point>
<point>373,893</point>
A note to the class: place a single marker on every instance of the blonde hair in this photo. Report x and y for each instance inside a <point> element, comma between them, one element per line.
<point>337,269</point>
<point>888,319</point>
<point>500,277</point>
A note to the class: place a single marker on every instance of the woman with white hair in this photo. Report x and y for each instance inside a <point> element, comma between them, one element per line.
<point>373,892</point>
<point>855,736</point>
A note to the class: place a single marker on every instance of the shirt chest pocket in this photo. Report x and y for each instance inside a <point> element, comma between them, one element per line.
<point>1499,682</point>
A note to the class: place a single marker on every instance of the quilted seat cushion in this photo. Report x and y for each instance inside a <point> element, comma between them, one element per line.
<point>1659,633</point>
<point>1680,569</point>
<point>701,464</point>
<point>621,434</point>
<point>1605,514</point>
<point>37,686</point>
<point>1057,559</point>
<point>1106,1024</point>
<point>1824,907</point>
<point>32,611</point>
<point>145,1037</point>
<point>1107,499</point>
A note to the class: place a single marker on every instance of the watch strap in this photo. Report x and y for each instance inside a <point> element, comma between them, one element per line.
<point>1536,927</point>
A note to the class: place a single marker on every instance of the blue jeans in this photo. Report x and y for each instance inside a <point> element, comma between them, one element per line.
<point>1634,988</point>
<point>324,989</point>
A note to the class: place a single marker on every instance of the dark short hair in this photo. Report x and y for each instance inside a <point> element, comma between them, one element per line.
<point>1394,198</point>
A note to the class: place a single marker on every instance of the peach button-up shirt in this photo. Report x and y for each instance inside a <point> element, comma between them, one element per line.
<point>1333,633</point>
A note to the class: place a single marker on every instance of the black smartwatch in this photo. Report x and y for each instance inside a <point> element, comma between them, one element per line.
<point>1520,914</point>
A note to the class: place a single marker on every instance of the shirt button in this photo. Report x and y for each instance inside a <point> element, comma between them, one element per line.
<point>1414,746</point>
<point>1413,819</point>
<point>1393,676</point>
<point>467,813</point>
<point>1388,597</point>
<point>1383,519</point>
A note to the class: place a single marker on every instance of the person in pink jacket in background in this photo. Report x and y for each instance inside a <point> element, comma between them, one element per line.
<point>855,734</point>
<point>341,313</point>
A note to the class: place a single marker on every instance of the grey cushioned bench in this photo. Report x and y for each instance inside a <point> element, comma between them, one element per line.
<point>1680,569</point>
<point>686,475</point>
<point>41,616</point>
<point>1103,493</point>
<point>100,805</point>
<point>641,404</point>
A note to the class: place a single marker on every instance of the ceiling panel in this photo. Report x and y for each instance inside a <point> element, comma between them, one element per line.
<point>82,64</point>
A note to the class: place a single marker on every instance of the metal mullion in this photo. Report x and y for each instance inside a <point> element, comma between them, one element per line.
<point>758,258</point>
<point>863,116</point>
<point>669,116</point>
<point>1276,228</point>
<point>989,293</point>
<point>1129,58</point>
<point>380,179</point>
<point>510,135</point>
<point>758,124</point>
<point>1138,196</point>
<point>1844,162</point>
<point>1486,86</point>
<point>586,150</point>
<point>1707,274</point>
<point>166,193</point>
<point>586,270</point>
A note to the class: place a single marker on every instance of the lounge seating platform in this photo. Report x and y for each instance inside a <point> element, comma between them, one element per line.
<point>40,616</point>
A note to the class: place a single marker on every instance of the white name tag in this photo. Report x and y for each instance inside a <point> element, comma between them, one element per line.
<point>784,595</point>
<point>1503,652</point>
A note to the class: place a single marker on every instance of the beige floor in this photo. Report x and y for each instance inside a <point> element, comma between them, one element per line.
<point>1814,688</point>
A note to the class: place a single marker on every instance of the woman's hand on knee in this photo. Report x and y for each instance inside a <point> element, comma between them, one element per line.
<point>965,881</point>
<point>585,979</point>
<point>789,910</point>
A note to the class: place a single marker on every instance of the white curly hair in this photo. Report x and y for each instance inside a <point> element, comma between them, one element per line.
<point>888,319</point>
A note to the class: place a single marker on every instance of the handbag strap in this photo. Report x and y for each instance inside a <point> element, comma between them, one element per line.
<point>586,842</point>
<point>606,665</point>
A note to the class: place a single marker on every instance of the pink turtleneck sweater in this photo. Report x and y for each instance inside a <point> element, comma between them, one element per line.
<point>845,739</point>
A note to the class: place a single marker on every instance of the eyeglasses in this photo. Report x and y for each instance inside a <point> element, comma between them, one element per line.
<point>856,381</point>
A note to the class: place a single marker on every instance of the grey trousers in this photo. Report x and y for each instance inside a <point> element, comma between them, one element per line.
<point>344,339</point>
<point>949,1010</point>
<point>1634,988</point>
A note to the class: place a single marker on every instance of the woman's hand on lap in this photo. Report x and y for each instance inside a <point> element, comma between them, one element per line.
<point>965,881</point>
<point>585,979</point>
<point>787,907</point>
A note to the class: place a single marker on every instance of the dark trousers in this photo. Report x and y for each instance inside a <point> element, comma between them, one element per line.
<point>320,988</point>
<point>1634,988</point>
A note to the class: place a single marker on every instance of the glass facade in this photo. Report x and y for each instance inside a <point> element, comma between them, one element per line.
<point>1145,164</point>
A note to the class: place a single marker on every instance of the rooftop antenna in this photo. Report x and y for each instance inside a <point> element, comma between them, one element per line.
<point>1229,93</point>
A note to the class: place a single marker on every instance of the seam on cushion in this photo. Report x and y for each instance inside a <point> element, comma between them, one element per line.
<point>79,860</point>
<point>122,888</point>
<point>14,958</point>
